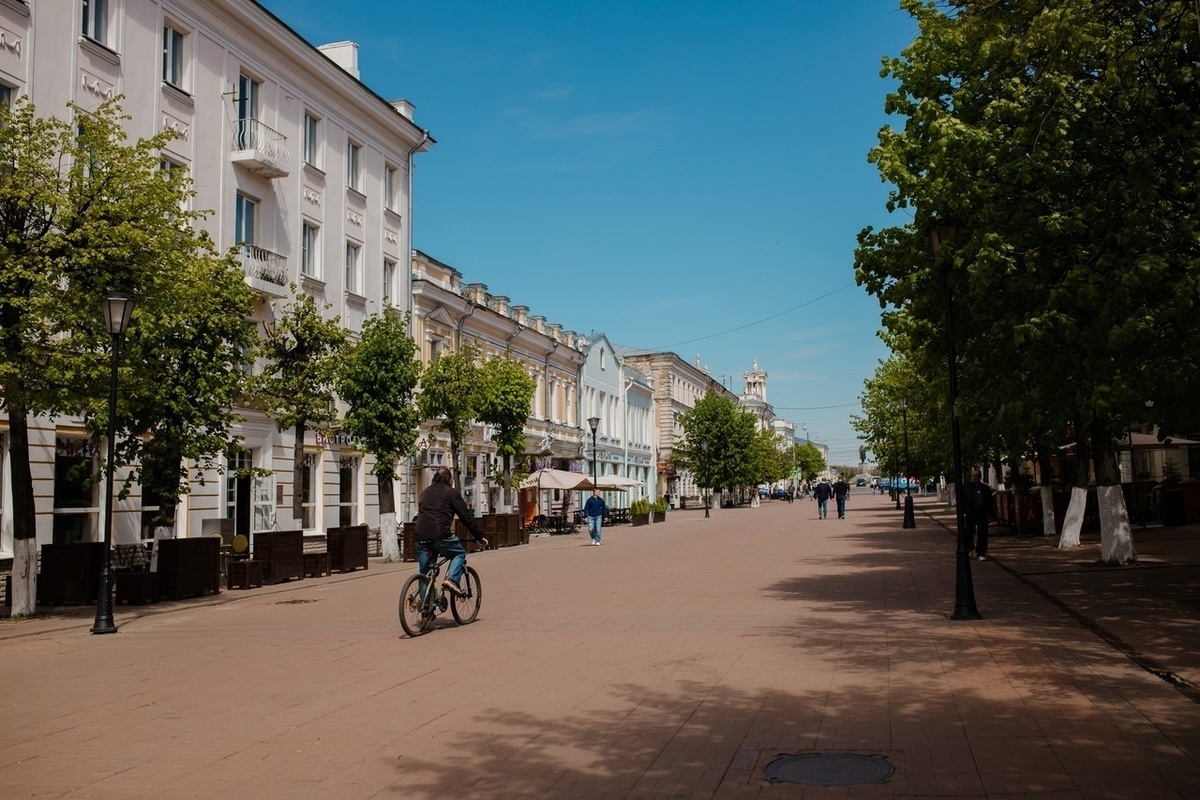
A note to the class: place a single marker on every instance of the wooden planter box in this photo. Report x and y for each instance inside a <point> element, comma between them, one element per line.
<point>281,554</point>
<point>347,548</point>
<point>189,567</point>
<point>70,573</point>
<point>639,519</point>
<point>140,586</point>
<point>658,516</point>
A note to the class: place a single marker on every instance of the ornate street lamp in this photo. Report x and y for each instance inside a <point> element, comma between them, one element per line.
<point>594,423</point>
<point>910,520</point>
<point>118,307</point>
<point>964,586</point>
<point>707,492</point>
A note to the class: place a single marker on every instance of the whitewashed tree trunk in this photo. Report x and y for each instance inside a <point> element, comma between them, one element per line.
<point>387,538</point>
<point>1047,510</point>
<point>160,532</point>
<point>23,580</point>
<point>1116,537</point>
<point>1073,519</point>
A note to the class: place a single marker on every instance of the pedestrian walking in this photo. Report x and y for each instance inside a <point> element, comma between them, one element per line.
<point>595,509</point>
<point>841,491</point>
<point>823,492</point>
<point>977,505</point>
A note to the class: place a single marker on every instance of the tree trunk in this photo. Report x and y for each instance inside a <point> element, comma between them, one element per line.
<point>1116,537</point>
<point>1046,481</point>
<point>23,581</point>
<point>298,477</point>
<point>1073,520</point>
<point>387,520</point>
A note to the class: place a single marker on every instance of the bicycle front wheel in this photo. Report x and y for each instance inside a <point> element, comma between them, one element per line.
<point>466,607</point>
<point>416,616</point>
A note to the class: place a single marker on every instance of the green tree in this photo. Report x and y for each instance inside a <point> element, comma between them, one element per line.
<point>506,399</point>
<point>1050,138</point>
<point>300,356</point>
<point>450,393</point>
<point>717,439</point>
<point>83,213</point>
<point>808,460</point>
<point>378,381</point>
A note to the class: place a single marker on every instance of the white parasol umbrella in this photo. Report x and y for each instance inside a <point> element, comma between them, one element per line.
<point>556,479</point>
<point>616,483</point>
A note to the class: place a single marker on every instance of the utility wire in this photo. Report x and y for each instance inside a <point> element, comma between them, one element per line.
<point>756,322</point>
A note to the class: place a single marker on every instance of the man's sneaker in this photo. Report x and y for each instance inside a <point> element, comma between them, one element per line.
<point>451,586</point>
<point>981,558</point>
<point>597,543</point>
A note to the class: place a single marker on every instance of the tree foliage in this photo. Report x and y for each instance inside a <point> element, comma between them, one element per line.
<point>506,398</point>
<point>378,381</point>
<point>300,356</point>
<point>718,437</point>
<point>451,394</point>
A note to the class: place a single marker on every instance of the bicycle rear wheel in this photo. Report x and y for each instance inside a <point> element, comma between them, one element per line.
<point>466,607</point>
<point>415,616</point>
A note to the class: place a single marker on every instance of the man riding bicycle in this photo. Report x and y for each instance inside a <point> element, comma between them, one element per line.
<point>435,535</point>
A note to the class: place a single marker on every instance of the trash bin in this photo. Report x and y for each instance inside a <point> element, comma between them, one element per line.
<point>1173,507</point>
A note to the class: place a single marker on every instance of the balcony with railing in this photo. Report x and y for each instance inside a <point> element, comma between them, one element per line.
<point>265,271</point>
<point>260,149</point>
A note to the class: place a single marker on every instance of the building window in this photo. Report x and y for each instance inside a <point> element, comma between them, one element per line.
<point>389,280</point>
<point>308,489</point>
<point>312,130</point>
<point>308,250</point>
<point>6,96</point>
<point>347,490</point>
<point>74,494</point>
<point>95,20</point>
<point>354,166</point>
<point>248,500</point>
<point>245,211</point>
<point>247,110</point>
<point>389,188</point>
<point>172,63</point>
<point>353,256</point>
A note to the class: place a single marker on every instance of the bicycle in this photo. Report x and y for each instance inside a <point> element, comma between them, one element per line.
<point>423,598</point>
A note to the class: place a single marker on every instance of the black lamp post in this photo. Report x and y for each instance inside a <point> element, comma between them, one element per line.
<point>707,492</point>
<point>964,585</point>
<point>594,423</point>
<point>910,520</point>
<point>117,308</point>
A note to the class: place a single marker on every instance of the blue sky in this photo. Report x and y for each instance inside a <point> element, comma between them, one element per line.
<point>680,175</point>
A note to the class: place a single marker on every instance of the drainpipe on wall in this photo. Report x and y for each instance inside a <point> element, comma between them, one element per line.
<point>408,510</point>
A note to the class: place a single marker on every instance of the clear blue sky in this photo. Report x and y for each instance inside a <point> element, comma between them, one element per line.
<point>669,173</point>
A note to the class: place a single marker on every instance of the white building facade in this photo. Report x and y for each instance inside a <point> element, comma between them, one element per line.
<point>303,167</point>
<point>621,398</point>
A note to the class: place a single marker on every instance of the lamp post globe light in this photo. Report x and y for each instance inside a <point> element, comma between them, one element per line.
<point>964,586</point>
<point>118,307</point>
<point>593,423</point>
<point>707,493</point>
<point>910,520</point>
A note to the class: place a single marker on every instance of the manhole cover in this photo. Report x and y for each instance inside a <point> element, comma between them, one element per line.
<point>829,769</point>
<point>292,602</point>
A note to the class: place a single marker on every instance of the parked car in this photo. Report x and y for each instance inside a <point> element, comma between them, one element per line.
<point>780,494</point>
<point>861,480</point>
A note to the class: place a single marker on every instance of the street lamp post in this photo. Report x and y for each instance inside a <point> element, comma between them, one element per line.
<point>594,423</point>
<point>707,492</point>
<point>910,520</point>
<point>964,586</point>
<point>117,308</point>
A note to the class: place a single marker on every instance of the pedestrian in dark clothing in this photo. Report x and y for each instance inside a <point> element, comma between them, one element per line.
<point>841,490</point>
<point>595,509</point>
<point>977,506</point>
<point>823,492</point>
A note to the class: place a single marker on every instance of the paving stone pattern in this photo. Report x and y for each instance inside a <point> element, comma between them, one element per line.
<point>674,661</point>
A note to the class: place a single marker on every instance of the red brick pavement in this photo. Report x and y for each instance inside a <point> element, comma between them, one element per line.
<point>674,661</point>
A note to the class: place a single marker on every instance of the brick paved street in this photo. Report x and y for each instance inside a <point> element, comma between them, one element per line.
<point>674,661</point>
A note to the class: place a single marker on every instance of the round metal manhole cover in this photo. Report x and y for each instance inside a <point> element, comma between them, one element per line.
<point>829,769</point>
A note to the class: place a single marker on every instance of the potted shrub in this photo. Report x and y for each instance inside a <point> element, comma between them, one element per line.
<point>659,510</point>
<point>639,512</point>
